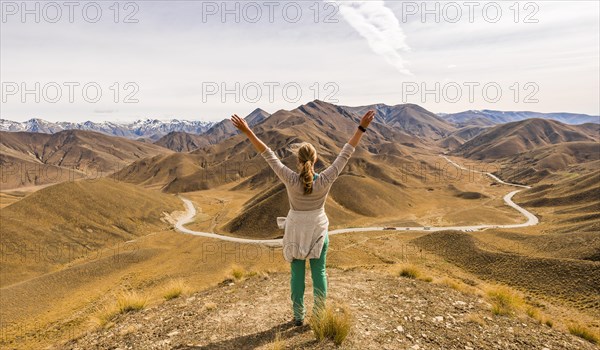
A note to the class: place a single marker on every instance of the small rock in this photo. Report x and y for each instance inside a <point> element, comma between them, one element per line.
<point>400,329</point>
<point>172,333</point>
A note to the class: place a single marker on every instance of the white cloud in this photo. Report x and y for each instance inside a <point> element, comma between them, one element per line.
<point>378,24</point>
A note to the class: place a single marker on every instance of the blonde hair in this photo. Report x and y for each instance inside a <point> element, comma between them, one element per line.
<point>307,154</point>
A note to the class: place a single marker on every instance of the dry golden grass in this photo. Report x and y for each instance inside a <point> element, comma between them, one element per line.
<point>125,302</point>
<point>584,333</point>
<point>95,214</point>
<point>263,274</point>
<point>278,343</point>
<point>162,254</point>
<point>238,272</point>
<point>174,289</point>
<point>409,271</point>
<point>105,315</point>
<point>209,306</point>
<point>533,313</point>
<point>131,301</point>
<point>330,323</point>
<point>475,318</point>
<point>155,256</point>
<point>537,315</point>
<point>413,272</point>
<point>455,284</point>
<point>504,300</point>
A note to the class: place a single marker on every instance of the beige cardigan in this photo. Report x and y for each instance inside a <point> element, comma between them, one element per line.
<point>306,224</point>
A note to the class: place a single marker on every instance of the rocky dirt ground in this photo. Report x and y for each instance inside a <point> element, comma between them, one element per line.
<point>388,313</point>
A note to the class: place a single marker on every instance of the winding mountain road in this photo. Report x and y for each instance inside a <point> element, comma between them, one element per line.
<point>531,219</point>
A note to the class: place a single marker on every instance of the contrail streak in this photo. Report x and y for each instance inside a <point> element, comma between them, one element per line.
<point>377,23</point>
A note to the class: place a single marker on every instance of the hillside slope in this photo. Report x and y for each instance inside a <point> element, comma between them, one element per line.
<point>377,168</point>
<point>326,126</point>
<point>388,313</point>
<point>513,138</point>
<point>579,279</point>
<point>57,224</point>
<point>409,118</point>
<point>38,159</point>
<point>460,136</point>
<point>179,141</point>
<point>571,205</point>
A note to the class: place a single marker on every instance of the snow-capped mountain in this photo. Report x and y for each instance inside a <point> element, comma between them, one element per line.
<point>489,117</point>
<point>148,128</point>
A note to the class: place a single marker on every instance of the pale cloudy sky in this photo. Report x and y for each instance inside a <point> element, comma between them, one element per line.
<point>182,59</point>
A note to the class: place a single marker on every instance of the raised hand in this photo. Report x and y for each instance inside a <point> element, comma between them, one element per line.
<point>240,123</point>
<point>364,122</point>
<point>367,119</point>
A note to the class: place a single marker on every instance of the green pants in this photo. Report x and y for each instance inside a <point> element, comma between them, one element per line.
<point>317,271</point>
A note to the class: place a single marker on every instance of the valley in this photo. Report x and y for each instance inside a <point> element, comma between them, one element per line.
<point>514,203</point>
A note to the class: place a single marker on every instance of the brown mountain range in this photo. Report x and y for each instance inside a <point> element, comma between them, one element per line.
<point>410,118</point>
<point>186,142</point>
<point>30,159</point>
<point>510,139</point>
<point>378,168</point>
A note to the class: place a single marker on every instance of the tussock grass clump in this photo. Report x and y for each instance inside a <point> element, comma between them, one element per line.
<point>328,323</point>
<point>583,332</point>
<point>105,315</point>
<point>125,302</point>
<point>238,272</point>
<point>504,300</point>
<point>175,289</point>
<point>413,272</point>
<point>409,271</point>
<point>278,343</point>
<point>533,313</point>
<point>131,301</point>
<point>539,316</point>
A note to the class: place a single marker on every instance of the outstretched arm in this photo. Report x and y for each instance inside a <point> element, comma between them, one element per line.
<point>330,174</point>
<point>364,122</point>
<point>284,173</point>
<point>242,125</point>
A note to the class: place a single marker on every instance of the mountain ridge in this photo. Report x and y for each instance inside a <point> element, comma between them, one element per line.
<point>488,117</point>
<point>521,136</point>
